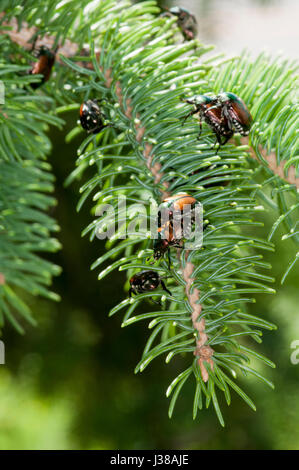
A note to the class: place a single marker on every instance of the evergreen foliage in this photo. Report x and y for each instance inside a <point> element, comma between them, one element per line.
<point>142,70</point>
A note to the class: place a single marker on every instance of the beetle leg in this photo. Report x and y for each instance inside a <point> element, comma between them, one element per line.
<point>169,260</point>
<point>225,114</point>
<point>227,137</point>
<point>164,287</point>
<point>132,291</point>
<point>211,107</point>
<point>200,129</point>
<point>217,141</point>
<point>194,111</point>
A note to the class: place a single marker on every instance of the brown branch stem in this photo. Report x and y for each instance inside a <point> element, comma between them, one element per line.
<point>140,131</point>
<point>203,351</point>
<point>270,158</point>
<point>24,35</point>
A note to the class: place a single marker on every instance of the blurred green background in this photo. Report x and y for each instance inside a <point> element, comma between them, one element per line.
<point>69,383</point>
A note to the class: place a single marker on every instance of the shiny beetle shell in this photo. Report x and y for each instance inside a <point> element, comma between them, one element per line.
<point>235,111</point>
<point>146,281</point>
<point>91,116</point>
<point>210,111</point>
<point>178,201</point>
<point>46,60</point>
<point>173,207</point>
<point>186,22</point>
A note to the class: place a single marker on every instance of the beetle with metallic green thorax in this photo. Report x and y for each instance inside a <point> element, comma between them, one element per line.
<point>225,113</point>
<point>212,115</point>
<point>185,20</point>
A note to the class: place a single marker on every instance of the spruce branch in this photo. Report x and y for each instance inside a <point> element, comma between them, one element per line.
<point>141,69</point>
<point>23,37</point>
<point>202,351</point>
<point>142,101</point>
<point>140,130</point>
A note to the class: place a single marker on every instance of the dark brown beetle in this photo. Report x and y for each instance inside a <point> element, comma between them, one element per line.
<point>92,117</point>
<point>44,65</point>
<point>185,20</point>
<point>146,281</point>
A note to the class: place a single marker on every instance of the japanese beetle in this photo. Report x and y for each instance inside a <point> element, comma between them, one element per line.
<point>212,115</point>
<point>225,113</point>
<point>43,66</point>
<point>235,111</point>
<point>172,208</point>
<point>164,241</point>
<point>185,20</point>
<point>91,117</point>
<point>146,281</point>
<point>178,201</point>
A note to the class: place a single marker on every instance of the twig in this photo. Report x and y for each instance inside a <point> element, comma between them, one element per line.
<point>278,170</point>
<point>24,35</point>
<point>140,131</point>
<point>203,351</point>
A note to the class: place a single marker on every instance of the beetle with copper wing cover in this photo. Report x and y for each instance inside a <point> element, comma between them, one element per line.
<point>43,66</point>
<point>225,113</point>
